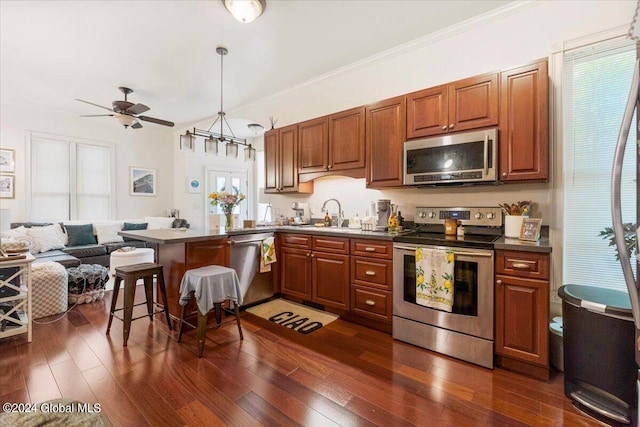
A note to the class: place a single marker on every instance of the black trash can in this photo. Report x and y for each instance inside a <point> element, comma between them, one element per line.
<point>599,355</point>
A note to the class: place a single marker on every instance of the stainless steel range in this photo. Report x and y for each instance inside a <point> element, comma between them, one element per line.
<point>467,331</point>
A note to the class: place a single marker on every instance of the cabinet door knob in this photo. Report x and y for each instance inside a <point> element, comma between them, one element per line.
<point>451,126</point>
<point>504,174</point>
<point>521,266</point>
<point>498,282</point>
<point>329,167</point>
<point>370,273</point>
<point>444,127</point>
<point>308,254</point>
<point>370,302</point>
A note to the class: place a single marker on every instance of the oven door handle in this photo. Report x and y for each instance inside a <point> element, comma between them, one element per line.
<point>480,254</point>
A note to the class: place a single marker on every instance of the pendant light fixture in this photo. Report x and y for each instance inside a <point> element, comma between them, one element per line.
<point>245,11</point>
<point>212,138</point>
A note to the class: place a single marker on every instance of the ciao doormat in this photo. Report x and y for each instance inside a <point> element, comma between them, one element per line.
<point>293,316</point>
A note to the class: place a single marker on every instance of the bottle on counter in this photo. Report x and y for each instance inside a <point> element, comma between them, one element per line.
<point>393,223</point>
<point>400,221</point>
<point>327,220</point>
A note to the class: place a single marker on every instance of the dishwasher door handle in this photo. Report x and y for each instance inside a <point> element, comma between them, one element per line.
<point>242,242</point>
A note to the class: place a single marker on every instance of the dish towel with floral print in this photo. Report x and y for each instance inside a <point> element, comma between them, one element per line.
<point>434,278</point>
<point>267,254</point>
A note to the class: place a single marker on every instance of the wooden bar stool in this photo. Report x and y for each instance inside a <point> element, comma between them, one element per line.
<point>130,274</point>
<point>211,286</point>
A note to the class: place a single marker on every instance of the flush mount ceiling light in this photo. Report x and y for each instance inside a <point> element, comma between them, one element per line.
<point>245,11</point>
<point>256,128</point>
<point>212,138</point>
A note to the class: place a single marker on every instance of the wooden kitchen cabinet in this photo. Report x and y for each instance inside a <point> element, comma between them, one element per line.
<point>524,123</point>
<point>281,162</point>
<point>385,136</point>
<point>522,312</point>
<point>372,279</point>
<point>316,268</point>
<point>462,105</point>
<point>332,145</point>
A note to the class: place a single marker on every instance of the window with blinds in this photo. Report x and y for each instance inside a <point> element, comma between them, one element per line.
<point>70,180</point>
<point>595,88</point>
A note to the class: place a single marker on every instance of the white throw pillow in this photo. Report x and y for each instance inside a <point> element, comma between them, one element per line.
<point>156,222</point>
<point>47,238</point>
<point>15,232</point>
<point>108,233</point>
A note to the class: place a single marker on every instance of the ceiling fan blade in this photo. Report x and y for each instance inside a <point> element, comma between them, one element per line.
<point>96,115</point>
<point>136,125</point>
<point>156,121</point>
<point>91,103</point>
<point>137,109</point>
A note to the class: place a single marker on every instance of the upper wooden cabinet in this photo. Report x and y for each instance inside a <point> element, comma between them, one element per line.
<point>281,161</point>
<point>332,145</point>
<point>386,132</point>
<point>465,104</point>
<point>524,123</point>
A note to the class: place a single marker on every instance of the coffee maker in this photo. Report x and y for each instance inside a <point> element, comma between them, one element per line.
<point>382,210</point>
<point>302,213</point>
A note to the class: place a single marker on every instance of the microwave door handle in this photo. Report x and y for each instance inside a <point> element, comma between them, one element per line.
<point>486,154</point>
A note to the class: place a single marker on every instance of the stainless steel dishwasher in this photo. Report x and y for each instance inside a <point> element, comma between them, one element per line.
<point>245,259</point>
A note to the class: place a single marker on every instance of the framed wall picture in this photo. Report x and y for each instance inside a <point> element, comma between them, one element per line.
<point>7,186</point>
<point>142,182</point>
<point>194,185</point>
<point>530,230</point>
<point>7,160</point>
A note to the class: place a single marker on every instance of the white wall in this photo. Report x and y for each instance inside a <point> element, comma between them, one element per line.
<point>149,147</point>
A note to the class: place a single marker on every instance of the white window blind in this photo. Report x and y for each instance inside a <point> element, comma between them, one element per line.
<point>70,180</point>
<point>595,88</point>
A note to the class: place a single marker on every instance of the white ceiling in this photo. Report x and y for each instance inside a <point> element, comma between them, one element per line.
<point>52,52</point>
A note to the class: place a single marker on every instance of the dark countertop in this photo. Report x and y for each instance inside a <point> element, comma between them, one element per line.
<point>181,235</point>
<point>504,243</point>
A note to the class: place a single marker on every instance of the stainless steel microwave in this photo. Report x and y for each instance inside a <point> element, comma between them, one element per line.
<point>461,158</point>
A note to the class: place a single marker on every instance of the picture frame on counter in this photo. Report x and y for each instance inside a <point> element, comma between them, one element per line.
<point>530,230</point>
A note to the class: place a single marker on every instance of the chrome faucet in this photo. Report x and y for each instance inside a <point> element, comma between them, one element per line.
<point>324,209</point>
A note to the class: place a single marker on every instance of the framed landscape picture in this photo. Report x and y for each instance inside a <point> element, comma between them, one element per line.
<point>142,182</point>
<point>7,186</point>
<point>7,160</point>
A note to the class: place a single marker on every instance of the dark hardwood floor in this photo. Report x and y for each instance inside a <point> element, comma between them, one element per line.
<point>342,374</point>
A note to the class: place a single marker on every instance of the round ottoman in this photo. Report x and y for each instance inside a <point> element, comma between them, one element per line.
<point>136,256</point>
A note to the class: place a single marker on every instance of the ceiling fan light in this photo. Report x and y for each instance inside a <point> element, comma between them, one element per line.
<point>245,11</point>
<point>232,149</point>
<point>125,119</point>
<point>186,141</point>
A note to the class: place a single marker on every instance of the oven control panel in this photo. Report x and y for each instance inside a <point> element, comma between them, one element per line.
<point>484,217</point>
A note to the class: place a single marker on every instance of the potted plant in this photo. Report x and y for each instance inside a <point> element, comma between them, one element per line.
<point>630,238</point>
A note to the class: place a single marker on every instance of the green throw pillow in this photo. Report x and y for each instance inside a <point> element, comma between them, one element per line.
<point>80,235</point>
<point>134,226</point>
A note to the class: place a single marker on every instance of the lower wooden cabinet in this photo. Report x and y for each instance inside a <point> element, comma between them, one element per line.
<point>372,279</point>
<point>296,272</point>
<point>311,274</point>
<point>352,275</point>
<point>522,312</point>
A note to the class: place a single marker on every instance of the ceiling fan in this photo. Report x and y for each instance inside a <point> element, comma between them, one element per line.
<point>127,113</point>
